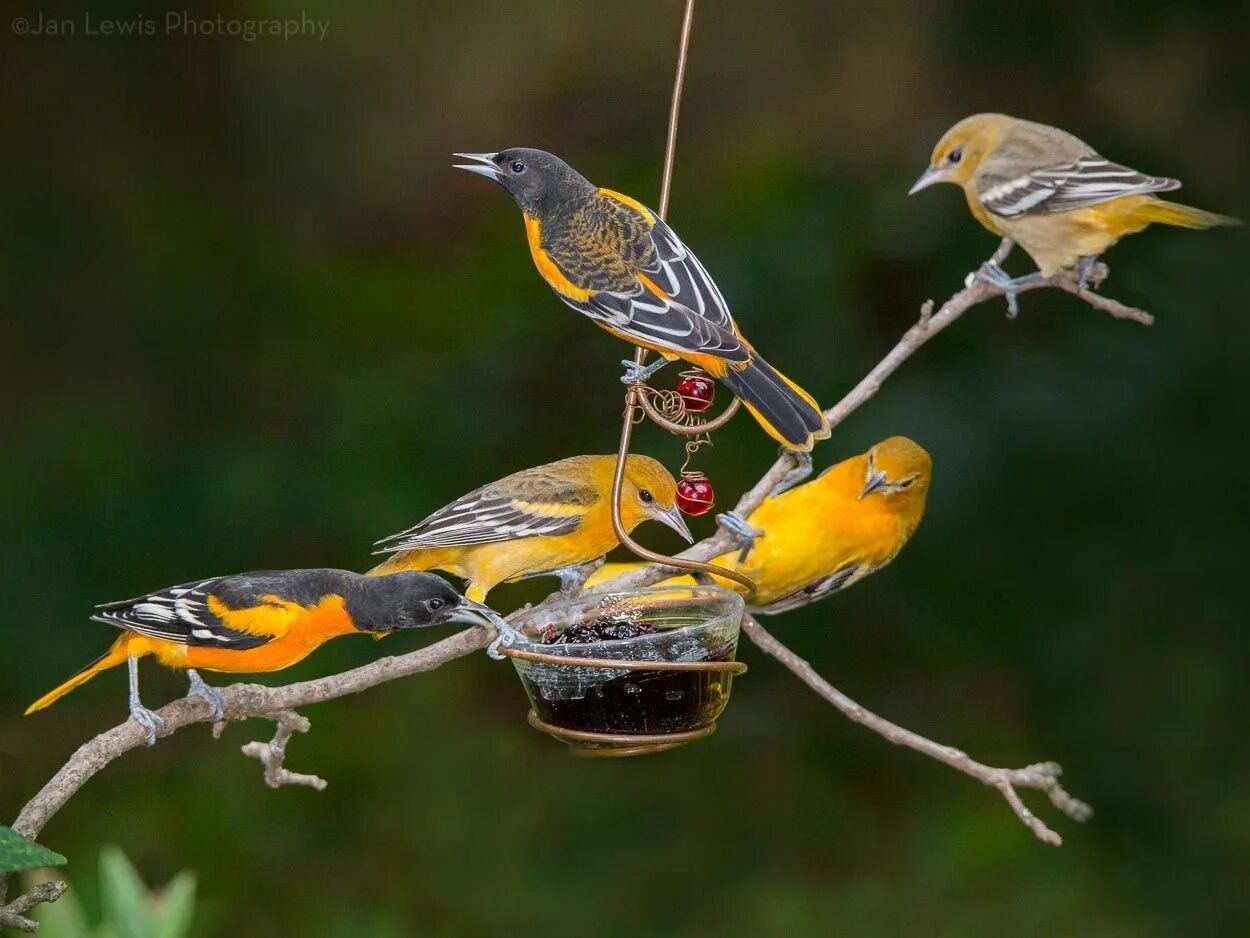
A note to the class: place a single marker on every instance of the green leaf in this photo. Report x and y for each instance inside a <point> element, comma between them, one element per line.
<point>17,853</point>
<point>127,905</point>
<point>176,907</point>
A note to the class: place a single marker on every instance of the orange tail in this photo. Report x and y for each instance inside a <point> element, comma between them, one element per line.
<point>1183,216</point>
<point>786,412</point>
<point>110,659</point>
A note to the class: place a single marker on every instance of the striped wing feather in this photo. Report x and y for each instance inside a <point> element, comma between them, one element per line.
<point>179,614</point>
<point>1089,181</point>
<point>692,318</point>
<point>838,580</point>
<point>534,503</point>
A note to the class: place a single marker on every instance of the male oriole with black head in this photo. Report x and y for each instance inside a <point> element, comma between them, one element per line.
<point>614,260</point>
<point>821,537</point>
<point>553,518</point>
<point>1051,193</point>
<point>258,622</point>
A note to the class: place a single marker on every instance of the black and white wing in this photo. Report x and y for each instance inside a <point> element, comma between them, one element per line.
<point>813,592</point>
<point>179,614</point>
<point>673,304</point>
<point>534,503</point>
<point>1090,180</point>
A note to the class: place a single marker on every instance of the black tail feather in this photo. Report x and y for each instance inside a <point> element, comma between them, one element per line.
<point>786,411</point>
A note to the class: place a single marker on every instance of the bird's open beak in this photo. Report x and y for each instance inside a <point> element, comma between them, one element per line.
<point>927,178</point>
<point>876,480</point>
<point>483,164</point>
<point>672,517</point>
<point>472,613</point>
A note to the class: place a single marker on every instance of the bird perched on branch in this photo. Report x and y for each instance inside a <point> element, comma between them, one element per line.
<point>1050,193</point>
<point>259,622</point>
<point>821,537</point>
<point>549,519</point>
<point>614,260</point>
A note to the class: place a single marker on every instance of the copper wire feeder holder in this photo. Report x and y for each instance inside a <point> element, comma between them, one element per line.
<point>639,401</point>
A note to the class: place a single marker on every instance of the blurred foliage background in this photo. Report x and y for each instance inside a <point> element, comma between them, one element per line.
<point>253,319</point>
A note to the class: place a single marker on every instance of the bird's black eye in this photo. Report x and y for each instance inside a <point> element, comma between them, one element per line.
<point>955,155</point>
<point>645,497</point>
<point>436,604</point>
<point>906,483</point>
<point>518,167</point>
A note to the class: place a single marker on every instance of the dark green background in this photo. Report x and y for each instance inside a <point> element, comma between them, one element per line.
<point>253,319</point>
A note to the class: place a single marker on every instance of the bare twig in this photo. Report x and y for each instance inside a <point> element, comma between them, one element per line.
<point>13,915</point>
<point>1043,776</point>
<point>272,753</point>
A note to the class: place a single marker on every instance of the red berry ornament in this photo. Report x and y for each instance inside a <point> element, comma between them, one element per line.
<point>696,392</point>
<point>695,495</point>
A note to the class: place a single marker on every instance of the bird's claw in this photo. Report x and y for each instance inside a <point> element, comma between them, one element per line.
<point>1084,271</point>
<point>995,276</point>
<point>150,722</point>
<point>745,534</point>
<point>573,579</point>
<point>508,637</point>
<point>199,688</point>
<point>802,469</point>
<point>638,374</point>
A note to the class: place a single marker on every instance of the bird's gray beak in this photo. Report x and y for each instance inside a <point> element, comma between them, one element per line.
<point>927,178</point>
<point>876,480</point>
<point>483,165</point>
<point>472,613</point>
<point>672,517</point>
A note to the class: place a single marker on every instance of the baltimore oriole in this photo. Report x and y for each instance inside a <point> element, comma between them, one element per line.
<point>613,259</point>
<point>818,538</point>
<point>263,621</point>
<point>1050,193</point>
<point>549,519</point>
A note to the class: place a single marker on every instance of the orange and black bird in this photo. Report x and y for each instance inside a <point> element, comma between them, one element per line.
<point>613,259</point>
<point>258,622</point>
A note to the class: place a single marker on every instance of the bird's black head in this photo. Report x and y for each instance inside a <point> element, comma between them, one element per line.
<point>403,601</point>
<point>537,180</point>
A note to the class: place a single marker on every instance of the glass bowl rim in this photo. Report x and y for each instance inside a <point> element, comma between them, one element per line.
<point>737,609</point>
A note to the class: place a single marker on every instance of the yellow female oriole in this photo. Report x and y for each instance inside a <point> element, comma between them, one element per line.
<point>816,539</point>
<point>549,519</point>
<point>613,259</point>
<point>263,621</point>
<point>1050,193</point>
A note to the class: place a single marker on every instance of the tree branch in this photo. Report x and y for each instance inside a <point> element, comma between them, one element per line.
<point>1043,776</point>
<point>247,701</point>
<point>273,753</point>
<point>13,915</point>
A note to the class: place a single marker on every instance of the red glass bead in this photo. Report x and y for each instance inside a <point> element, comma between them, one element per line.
<point>695,496</point>
<point>697,392</point>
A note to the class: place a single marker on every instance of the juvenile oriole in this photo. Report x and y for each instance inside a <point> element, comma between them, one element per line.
<point>1050,193</point>
<point>549,519</point>
<point>613,259</point>
<point>263,621</point>
<point>818,538</point>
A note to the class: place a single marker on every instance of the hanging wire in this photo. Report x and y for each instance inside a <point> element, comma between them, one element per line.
<point>641,398</point>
